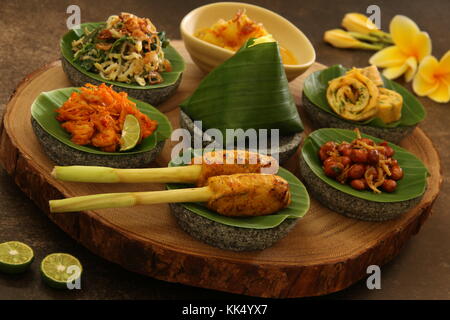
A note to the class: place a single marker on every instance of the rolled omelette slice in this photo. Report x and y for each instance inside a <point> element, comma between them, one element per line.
<point>389,105</point>
<point>353,96</point>
<point>373,74</point>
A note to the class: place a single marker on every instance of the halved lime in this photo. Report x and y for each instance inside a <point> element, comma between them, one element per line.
<point>131,133</point>
<point>59,270</point>
<point>15,257</point>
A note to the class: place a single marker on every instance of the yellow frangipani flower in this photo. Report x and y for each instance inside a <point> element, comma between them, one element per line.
<point>433,78</point>
<point>410,46</point>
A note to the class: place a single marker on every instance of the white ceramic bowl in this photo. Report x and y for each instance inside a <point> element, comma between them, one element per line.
<point>208,56</point>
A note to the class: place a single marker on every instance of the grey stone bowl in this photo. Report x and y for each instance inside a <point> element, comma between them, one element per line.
<point>64,155</point>
<point>288,145</point>
<point>322,119</point>
<point>151,96</point>
<point>228,237</point>
<point>351,206</point>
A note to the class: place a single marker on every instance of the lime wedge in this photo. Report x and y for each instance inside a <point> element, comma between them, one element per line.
<point>131,133</point>
<point>59,270</point>
<point>15,257</point>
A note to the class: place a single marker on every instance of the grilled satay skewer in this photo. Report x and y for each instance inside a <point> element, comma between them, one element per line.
<point>213,163</point>
<point>248,194</point>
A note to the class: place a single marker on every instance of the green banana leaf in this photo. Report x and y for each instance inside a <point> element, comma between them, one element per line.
<point>411,186</point>
<point>297,209</point>
<point>170,53</point>
<point>43,111</point>
<point>249,90</point>
<point>315,89</point>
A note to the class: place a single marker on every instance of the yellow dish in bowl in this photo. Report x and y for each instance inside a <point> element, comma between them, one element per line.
<point>207,56</point>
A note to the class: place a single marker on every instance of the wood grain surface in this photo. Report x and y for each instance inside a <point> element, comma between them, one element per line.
<point>326,252</point>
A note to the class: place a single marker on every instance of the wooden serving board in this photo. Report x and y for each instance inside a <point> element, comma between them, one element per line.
<point>325,252</point>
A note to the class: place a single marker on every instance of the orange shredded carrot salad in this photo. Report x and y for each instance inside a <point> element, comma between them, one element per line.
<point>95,116</point>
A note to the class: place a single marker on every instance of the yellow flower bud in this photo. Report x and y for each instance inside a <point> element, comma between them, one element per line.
<point>341,39</point>
<point>358,22</point>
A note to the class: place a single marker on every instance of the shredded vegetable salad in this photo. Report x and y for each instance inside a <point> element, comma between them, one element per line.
<point>125,49</point>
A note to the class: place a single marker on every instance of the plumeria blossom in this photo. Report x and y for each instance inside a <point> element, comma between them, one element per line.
<point>433,78</point>
<point>410,46</point>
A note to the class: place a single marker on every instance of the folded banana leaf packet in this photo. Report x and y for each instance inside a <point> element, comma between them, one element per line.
<point>249,90</point>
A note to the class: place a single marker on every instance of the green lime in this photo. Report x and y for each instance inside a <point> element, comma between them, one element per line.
<point>59,270</point>
<point>131,133</point>
<point>15,257</point>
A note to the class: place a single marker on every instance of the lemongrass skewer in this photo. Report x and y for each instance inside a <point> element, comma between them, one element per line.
<point>230,195</point>
<point>94,174</point>
<point>130,199</point>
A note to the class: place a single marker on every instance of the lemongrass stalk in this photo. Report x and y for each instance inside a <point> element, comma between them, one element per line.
<point>184,174</point>
<point>130,199</point>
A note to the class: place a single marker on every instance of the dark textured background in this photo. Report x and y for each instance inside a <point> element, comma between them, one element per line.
<point>30,32</point>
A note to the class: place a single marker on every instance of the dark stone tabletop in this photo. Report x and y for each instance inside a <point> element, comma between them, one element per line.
<point>30,32</point>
